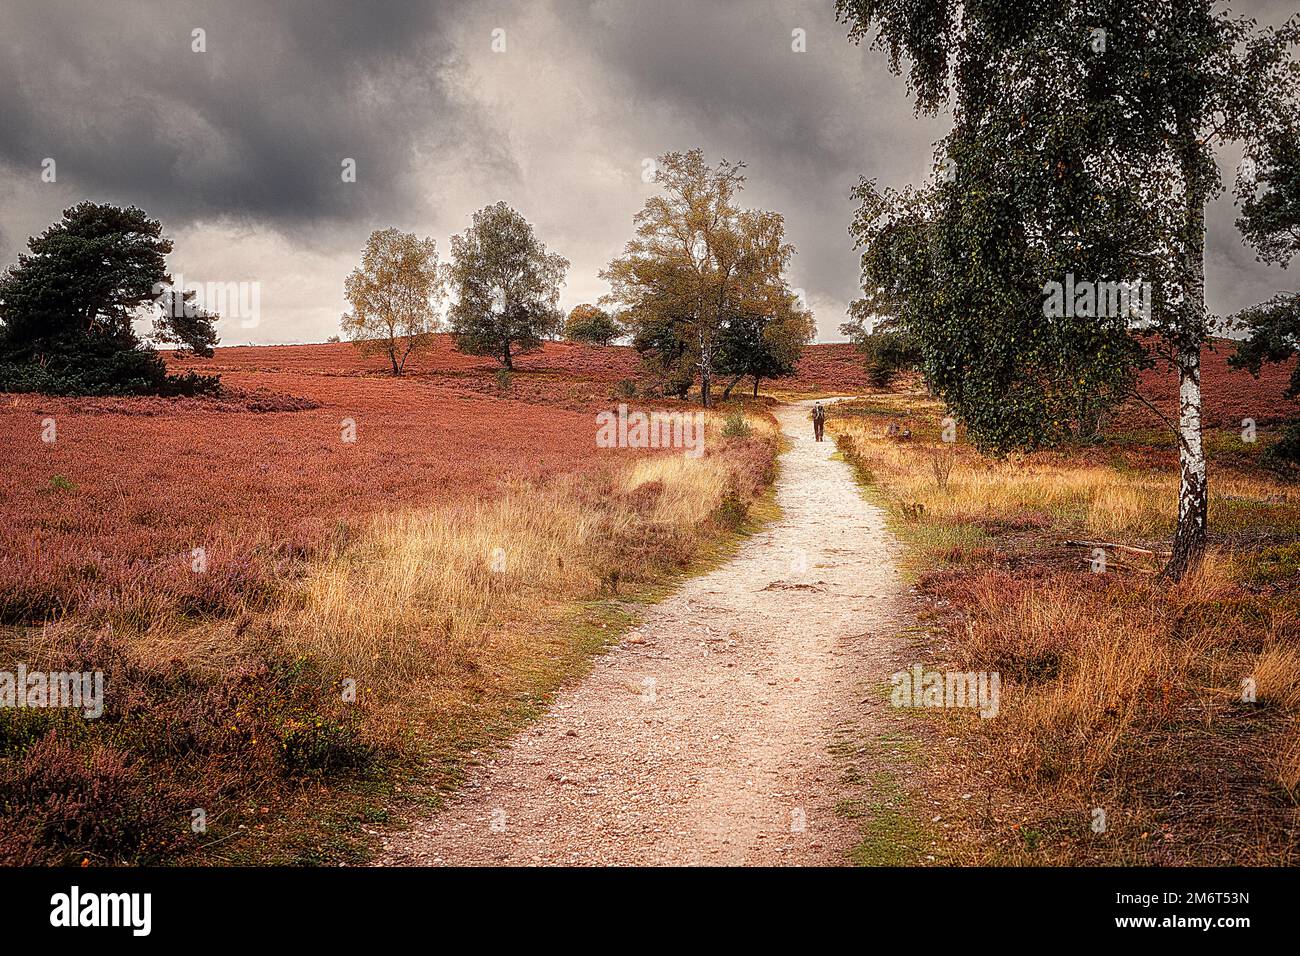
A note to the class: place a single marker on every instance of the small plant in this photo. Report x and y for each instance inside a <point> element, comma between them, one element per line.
<point>941,459</point>
<point>736,426</point>
<point>732,511</point>
<point>912,510</point>
<point>314,745</point>
<point>610,580</point>
<point>62,483</point>
<point>503,379</point>
<point>626,388</point>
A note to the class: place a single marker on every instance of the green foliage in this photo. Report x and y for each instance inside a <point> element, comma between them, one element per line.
<point>956,291</point>
<point>507,286</point>
<point>701,284</point>
<point>312,745</point>
<point>732,511</point>
<point>1283,456</point>
<point>593,325</point>
<point>1270,221</point>
<point>394,294</point>
<point>181,323</point>
<point>736,426</point>
<point>1081,147</point>
<point>1270,198</point>
<point>84,365</point>
<point>765,343</point>
<point>87,274</point>
<point>66,309</point>
<point>1273,335</point>
<point>664,343</point>
<point>887,348</point>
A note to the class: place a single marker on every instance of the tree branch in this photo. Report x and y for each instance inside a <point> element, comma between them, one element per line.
<point>1178,435</point>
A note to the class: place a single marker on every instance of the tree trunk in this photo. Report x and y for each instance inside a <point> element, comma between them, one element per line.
<point>756,386</point>
<point>726,392</point>
<point>506,360</point>
<point>706,367</point>
<point>392,357</point>
<point>1193,493</point>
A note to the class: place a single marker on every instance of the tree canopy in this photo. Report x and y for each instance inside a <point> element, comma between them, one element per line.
<point>68,306</point>
<point>507,286</point>
<point>1081,157</point>
<point>888,348</point>
<point>1269,187</point>
<point>702,281</point>
<point>592,324</point>
<point>396,294</point>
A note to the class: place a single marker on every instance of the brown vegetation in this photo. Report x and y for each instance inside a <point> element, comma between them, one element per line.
<point>368,610</point>
<point>1120,692</point>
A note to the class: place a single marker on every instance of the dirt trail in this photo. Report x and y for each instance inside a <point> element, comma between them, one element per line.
<point>703,737</point>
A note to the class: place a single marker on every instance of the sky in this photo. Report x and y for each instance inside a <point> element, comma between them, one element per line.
<point>551,105</point>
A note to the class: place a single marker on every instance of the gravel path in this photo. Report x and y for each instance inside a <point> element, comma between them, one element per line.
<point>704,737</point>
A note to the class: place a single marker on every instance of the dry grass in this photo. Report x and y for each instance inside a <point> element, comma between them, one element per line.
<point>1277,677</point>
<point>1288,767</point>
<point>957,484</point>
<point>1120,691</point>
<point>454,616</point>
<point>431,605</point>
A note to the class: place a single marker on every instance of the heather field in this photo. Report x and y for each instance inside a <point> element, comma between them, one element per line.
<point>237,564</point>
<point>1126,733</point>
<point>329,589</point>
<point>110,512</point>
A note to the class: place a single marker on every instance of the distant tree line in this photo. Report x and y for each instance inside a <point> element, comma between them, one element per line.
<point>700,290</point>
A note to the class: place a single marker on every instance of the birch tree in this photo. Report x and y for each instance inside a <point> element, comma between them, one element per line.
<point>1128,99</point>
<point>396,296</point>
<point>702,281</point>
<point>684,255</point>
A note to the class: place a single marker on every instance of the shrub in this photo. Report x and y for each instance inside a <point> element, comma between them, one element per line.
<point>593,325</point>
<point>311,745</point>
<point>733,510</point>
<point>66,310</point>
<point>1283,456</point>
<point>736,426</point>
<point>62,803</point>
<point>90,368</point>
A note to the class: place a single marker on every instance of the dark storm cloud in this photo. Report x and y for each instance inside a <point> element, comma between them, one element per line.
<point>809,122</point>
<point>256,126</point>
<point>238,149</point>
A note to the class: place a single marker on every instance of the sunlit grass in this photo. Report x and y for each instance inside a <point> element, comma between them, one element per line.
<point>1120,688</point>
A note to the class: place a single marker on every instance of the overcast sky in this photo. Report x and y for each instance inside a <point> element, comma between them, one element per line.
<point>239,149</point>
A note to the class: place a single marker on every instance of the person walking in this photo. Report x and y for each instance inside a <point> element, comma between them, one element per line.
<point>819,421</point>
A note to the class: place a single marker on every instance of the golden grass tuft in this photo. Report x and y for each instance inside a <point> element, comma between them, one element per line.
<point>1120,689</point>
<point>1277,677</point>
<point>433,608</point>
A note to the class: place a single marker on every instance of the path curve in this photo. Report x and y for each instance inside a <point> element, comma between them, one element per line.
<point>704,737</point>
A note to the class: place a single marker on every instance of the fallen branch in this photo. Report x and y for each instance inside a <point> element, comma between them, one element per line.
<point>1126,548</point>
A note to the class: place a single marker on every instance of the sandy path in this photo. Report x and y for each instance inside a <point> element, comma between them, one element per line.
<point>703,738</point>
